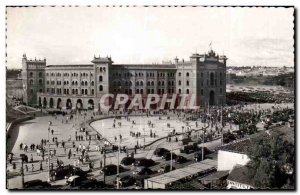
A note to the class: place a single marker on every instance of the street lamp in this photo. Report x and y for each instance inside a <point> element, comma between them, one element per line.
<point>48,157</point>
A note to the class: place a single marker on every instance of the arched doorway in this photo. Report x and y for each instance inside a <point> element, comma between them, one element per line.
<point>45,102</point>
<point>79,104</point>
<point>69,104</point>
<point>212,98</point>
<point>91,104</point>
<point>51,103</point>
<point>58,103</point>
<point>40,101</point>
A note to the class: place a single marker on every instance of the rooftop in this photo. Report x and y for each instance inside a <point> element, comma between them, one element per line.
<point>240,174</point>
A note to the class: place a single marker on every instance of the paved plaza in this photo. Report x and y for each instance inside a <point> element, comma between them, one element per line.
<point>65,128</point>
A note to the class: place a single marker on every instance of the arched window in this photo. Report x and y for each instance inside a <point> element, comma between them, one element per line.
<point>148,83</point>
<point>142,91</point>
<point>31,82</point>
<point>179,91</point>
<point>31,74</point>
<point>100,78</point>
<point>100,88</point>
<point>40,74</point>
<point>169,83</point>
<point>212,79</point>
<point>158,83</point>
<point>130,83</point>
<point>163,83</point>
<point>82,83</point>
<point>141,83</point>
<point>100,69</point>
<point>73,91</point>
<point>179,82</point>
<point>187,83</point>
<point>86,83</point>
<point>85,91</point>
<point>187,74</point>
<point>137,83</point>
<point>187,91</point>
<point>152,83</point>
<point>40,82</point>
<point>179,74</point>
<point>92,83</point>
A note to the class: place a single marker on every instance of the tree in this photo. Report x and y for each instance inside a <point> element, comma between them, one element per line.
<point>269,155</point>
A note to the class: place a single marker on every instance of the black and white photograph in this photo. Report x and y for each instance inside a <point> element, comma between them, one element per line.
<point>168,98</point>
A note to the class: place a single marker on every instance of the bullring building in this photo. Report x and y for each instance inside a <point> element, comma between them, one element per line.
<point>81,86</point>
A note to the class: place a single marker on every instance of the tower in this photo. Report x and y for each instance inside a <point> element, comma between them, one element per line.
<point>101,69</point>
<point>33,78</point>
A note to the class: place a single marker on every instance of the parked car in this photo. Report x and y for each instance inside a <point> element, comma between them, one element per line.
<point>67,171</point>
<point>198,155</point>
<point>111,169</point>
<point>75,180</point>
<point>142,171</point>
<point>127,161</point>
<point>92,184</point>
<point>188,149</point>
<point>37,183</point>
<point>126,181</point>
<point>160,151</point>
<point>165,169</point>
<point>144,162</point>
<point>180,159</point>
<point>167,156</point>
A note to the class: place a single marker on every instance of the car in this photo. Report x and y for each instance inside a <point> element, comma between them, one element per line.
<point>189,148</point>
<point>167,156</point>
<point>92,184</point>
<point>160,151</point>
<point>165,169</point>
<point>126,181</point>
<point>144,162</point>
<point>36,183</point>
<point>180,159</point>
<point>127,161</point>
<point>111,169</point>
<point>75,180</point>
<point>142,171</point>
<point>67,171</point>
<point>198,155</point>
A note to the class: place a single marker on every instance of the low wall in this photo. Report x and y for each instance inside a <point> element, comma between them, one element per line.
<point>15,122</point>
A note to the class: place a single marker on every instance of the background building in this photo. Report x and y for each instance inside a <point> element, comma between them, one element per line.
<point>82,86</point>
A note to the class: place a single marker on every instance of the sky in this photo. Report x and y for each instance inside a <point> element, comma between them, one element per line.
<point>73,35</point>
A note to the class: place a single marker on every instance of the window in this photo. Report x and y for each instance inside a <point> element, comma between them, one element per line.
<point>179,82</point>
<point>187,83</point>
<point>187,91</point>
<point>92,83</point>
<point>82,91</point>
<point>148,83</point>
<point>158,83</point>
<point>137,83</point>
<point>40,82</point>
<point>152,91</point>
<point>137,91</point>
<point>100,78</point>
<point>85,91</point>
<point>148,91</point>
<point>82,82</point>
<point>31,82</point>
<point>163,83</point>
<point>179,74</point>
<point>152,83</point>
<point>141,83</point>
<point>212,79</point>
<point>100,88</point>
<point>187,74</point>
<point>201,91</point>
<point>41,90</point>
<point>142,91</point>
<point>40,74</point>
<point>86,83</point>
<point>92,91</point>
<point>31,74</point>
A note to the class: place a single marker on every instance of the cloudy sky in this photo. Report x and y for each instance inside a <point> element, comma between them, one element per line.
<point>248,36</point>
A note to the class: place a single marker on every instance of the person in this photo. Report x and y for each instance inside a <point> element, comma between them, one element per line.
<point>32,167</point>
<point>26,168</point>
<point>70,153</point>
<point>41,166</point>
<point>101,163</point>
<point>52,131</point>
<point>31,158</point>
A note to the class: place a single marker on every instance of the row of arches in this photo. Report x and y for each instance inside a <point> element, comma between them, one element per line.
<point>43,102</point>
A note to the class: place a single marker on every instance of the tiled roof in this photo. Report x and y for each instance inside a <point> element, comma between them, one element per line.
<point>240,174</point>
